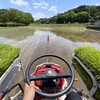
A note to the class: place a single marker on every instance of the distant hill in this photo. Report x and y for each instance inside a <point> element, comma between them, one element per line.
<point>81,14</point>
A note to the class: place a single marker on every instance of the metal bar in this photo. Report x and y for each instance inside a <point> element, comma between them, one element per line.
<point>95,86</point>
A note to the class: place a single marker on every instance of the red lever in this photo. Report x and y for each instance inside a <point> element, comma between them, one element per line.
<point>1,96</point>
<point>76,79</point>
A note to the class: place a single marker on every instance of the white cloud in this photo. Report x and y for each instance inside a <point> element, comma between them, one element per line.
<point>44,5</point>
<point>53,8</point>
<point>40,4</point>
<point>97,4</point>
<point>39,15</point>
<point>20,2</point>
<point>76,6</point>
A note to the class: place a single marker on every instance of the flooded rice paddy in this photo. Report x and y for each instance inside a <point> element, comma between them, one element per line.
<point>34,43</point>
<point>57,39</point>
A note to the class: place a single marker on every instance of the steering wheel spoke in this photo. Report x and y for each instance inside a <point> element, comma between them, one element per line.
<point>37,77</point>
<point>64,75</point>
<point>43,76</point>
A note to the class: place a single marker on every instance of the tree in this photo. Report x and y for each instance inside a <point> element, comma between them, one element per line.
<point>82,14</point>
<point>13,15</point>
<point>26,18</point>
<point>82,17</point>
<point>18,17</point>
<point>4,16</point>
<point>71,16</point>
<point>60,18</point>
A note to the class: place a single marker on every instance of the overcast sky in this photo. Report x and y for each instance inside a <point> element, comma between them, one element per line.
<point>45,8</point>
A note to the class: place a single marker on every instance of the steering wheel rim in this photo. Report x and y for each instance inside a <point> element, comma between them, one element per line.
<point>54,95</point>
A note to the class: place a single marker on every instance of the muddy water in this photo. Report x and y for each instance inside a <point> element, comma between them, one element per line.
<point>38,41</point>
<point>36,44</point>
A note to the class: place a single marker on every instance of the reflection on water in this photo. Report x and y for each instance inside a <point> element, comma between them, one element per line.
<point>58,45</point>
<point>7,41</point>
<point>56,42</point>
<point>37,44</point>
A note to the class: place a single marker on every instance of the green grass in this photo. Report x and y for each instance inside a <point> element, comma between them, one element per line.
<point>8,53</point>
<point>76,34</point>
<point>60,25</point>
<point>17,33</point>
<point>91,58</point>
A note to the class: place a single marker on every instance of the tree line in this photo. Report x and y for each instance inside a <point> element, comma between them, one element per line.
<point>81,14</point>
<point>15,16</point>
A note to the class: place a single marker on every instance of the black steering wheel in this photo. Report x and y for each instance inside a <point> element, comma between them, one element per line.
<point>30,78</point>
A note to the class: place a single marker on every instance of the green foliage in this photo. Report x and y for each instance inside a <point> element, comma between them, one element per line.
<point>7,55</point>
<point>26,18</point>
<point>3,16</point>
<point>91,58</point>
<point>82,17</point>
<point>81,14</point>
<point>86,78</point>
<point>16,16</point>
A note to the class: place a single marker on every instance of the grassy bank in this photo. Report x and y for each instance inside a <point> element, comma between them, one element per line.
<point>75,32</point>
<point>8,53</point>
<point>19,32</point>
<point>91,58</point>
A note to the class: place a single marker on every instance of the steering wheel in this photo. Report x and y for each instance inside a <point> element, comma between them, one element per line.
<point>30,78</point>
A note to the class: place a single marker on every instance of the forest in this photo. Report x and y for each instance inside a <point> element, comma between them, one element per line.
<point>81,14</point>
<point>15,17</point>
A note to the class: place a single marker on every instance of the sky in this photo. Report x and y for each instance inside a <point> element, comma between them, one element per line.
<point>45,8</point>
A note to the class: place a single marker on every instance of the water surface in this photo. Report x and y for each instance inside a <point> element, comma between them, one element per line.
<point>57,44</point>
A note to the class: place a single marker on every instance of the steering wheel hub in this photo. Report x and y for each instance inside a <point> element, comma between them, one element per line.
<point>49,72</point>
